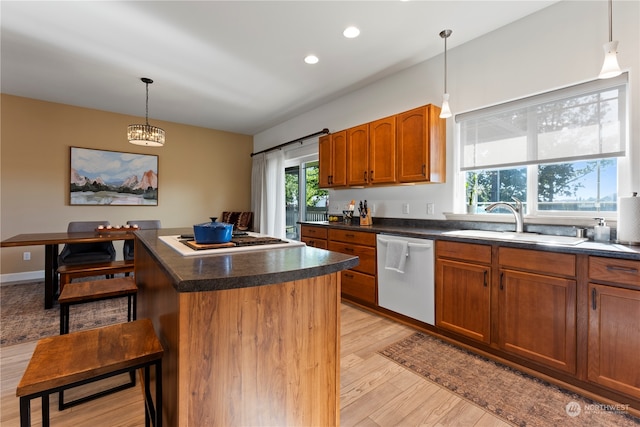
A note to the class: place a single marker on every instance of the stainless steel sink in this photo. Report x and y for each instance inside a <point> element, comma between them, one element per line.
<point>510,236</point>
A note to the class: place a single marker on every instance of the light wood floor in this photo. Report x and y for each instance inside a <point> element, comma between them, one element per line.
<point>374,390</point>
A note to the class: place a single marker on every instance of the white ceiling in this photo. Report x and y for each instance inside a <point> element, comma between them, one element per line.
<point>230,65</point>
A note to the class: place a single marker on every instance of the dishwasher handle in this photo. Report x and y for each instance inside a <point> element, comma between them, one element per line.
<point>410,244</point>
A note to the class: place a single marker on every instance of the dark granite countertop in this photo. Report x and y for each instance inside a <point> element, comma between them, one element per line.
<point>434,229</point>
<point>241,269</point>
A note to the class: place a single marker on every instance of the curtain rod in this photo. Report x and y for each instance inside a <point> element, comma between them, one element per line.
<point>300,140</point>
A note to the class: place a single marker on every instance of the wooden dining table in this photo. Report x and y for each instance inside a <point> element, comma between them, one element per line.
<point>51,242</point>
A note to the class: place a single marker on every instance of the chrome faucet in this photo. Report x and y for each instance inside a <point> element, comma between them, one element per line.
<point>515,210</point>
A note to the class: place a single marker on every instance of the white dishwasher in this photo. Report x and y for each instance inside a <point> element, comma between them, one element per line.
<point>406,276</point>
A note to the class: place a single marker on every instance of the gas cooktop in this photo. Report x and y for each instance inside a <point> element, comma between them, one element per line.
<point>239,243</point>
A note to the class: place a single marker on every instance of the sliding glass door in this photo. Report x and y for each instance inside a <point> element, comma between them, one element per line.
<point>305,201</point>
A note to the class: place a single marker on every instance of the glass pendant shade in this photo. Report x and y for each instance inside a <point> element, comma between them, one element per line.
<point>445,111</point>
<point>148,135</point>
<point>610,67</point>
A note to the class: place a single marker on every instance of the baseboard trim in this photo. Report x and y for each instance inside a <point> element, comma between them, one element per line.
<point>26,276</point>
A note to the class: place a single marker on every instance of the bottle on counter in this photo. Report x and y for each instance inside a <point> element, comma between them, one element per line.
<point>601,232</point>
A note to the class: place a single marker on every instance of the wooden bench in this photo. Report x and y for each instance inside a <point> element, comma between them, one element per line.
<point>70,272</point>
<point>96,290</point>
<point>65,361</point>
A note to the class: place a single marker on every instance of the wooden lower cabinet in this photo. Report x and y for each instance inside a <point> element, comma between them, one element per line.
<point>358,283</point>
<point>614,325</point>
<point>537,306</point>
<point>314,236</point>
<point>538,318</point>
<point>614,338</point>
<point>464,299</point>
<point>534,313</point>
<point>463,289</point>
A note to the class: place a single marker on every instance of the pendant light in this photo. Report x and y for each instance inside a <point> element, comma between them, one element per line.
<point>445,111</point>
<point>610,67</point>
<point>146,134</point>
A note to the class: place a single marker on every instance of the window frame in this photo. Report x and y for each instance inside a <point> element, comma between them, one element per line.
<point>623,162</point>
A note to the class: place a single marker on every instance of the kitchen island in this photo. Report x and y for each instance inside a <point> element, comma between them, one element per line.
<point>250,338</point>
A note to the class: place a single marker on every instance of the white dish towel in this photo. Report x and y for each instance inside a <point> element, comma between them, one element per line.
<point>396,255</point>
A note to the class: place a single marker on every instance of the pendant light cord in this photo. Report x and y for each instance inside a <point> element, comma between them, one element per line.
<point>445,64</point>
<point>610,21</point>
<point>147,108</point>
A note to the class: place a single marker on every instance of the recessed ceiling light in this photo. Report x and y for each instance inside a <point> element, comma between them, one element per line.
<point>351,32</point>
<point>311,59</point>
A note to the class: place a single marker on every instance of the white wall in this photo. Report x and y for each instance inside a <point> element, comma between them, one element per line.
<point>555,47</point>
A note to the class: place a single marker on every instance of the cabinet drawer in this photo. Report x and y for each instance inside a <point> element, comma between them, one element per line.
<point>357,237</point>
<point>464,251</point>
<point>367,255</point>
<point>622,271</point>
<point>538,261</point>
<point>313,242</point>
<point>317,232</point>
<point>358,285</point>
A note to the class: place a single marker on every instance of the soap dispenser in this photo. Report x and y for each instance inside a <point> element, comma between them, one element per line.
<point>601,232</point>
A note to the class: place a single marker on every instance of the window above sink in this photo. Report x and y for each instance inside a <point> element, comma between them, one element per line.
<point>561,152</point>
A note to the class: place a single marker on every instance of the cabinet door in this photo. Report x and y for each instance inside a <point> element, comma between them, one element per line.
<point>382,151</point>
<point>463,299</point>
<point>325,157</point>
<point>421,142</point>
<point>339,145</point>
<point>538,318</point>
<point>358,155</point>
<point>332,153</point>
<point>413,161</point>
<point>614,338</point>
<point>358,285</point>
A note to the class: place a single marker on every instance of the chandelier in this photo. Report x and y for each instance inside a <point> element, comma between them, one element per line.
<point>146,134</point>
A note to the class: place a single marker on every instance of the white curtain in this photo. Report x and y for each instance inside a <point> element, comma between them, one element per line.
<point>267,193</point>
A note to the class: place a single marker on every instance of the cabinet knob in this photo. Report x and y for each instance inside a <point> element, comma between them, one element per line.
<point>424,170</point>
<point>371,175</point>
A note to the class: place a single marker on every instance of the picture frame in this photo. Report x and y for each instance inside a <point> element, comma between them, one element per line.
<point>113,178</point>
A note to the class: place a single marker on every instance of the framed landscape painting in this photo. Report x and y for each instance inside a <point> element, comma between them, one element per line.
<point>100,177</point>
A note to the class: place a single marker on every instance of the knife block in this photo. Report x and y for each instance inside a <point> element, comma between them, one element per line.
<point>366,220</point>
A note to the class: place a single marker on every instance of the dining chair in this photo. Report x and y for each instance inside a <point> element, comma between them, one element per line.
<point>146,224</point>
<point>86,253</point>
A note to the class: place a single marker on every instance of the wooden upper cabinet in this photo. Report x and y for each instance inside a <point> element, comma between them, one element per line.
<point>406,147</point>
<point>421,142</point>
<point>332,153</point>
<point>371,153</point>
<point>382,151</point>
<point>358,155</point>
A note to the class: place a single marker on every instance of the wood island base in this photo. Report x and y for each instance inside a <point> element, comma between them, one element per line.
<point>261,356</point>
